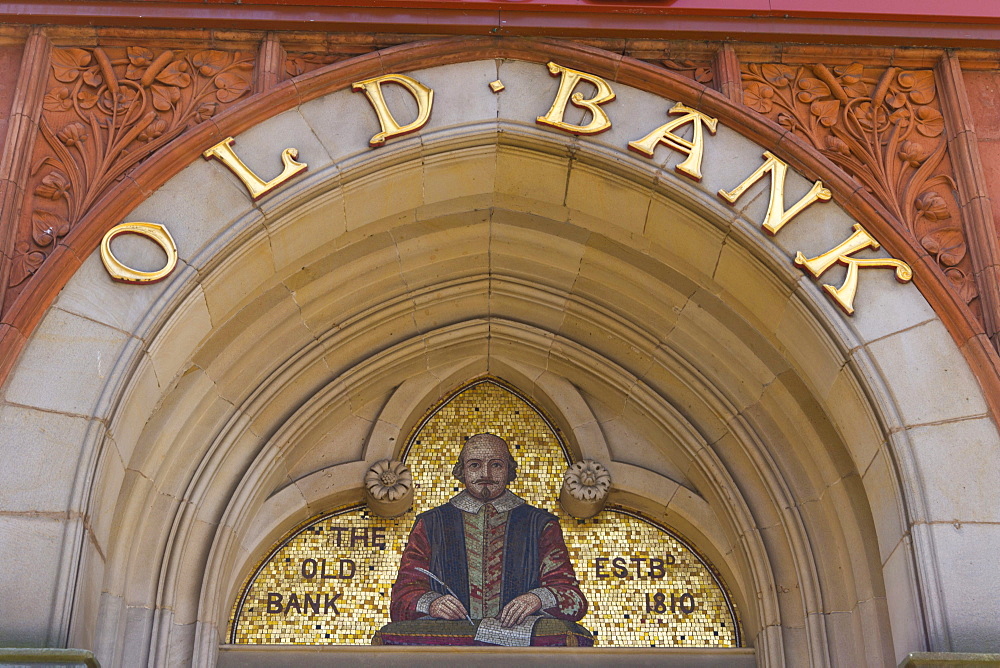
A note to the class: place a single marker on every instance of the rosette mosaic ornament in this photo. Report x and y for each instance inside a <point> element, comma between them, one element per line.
<point>389,488</point>
<point>585,489</point>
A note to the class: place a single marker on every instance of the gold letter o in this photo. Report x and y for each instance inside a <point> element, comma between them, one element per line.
<point>125,274</point>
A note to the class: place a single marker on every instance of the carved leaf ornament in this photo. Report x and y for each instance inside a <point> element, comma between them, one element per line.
<point>104,112</point>
<point>307,62</point>
<point>700,72</point>
<point>885,129</point>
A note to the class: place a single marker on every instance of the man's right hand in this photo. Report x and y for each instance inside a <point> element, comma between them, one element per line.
<point>447,607</point>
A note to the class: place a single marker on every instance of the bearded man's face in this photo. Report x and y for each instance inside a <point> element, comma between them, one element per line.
<point>486,470</point>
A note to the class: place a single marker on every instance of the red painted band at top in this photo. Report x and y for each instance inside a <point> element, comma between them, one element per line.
<point>932,11</point>
<point>922,23</point>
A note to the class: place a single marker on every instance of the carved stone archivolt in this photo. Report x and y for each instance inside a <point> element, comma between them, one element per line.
<point>104,111</point>
<point>885,128</point>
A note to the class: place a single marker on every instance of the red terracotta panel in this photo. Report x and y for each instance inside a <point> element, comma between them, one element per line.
<point>319,82</point>
<point>913,10</point>
<point>910,10</point>
<point>11,344</point>
<point>435,53</point>
<point>990,153</point>
<point>984,101</point>
<point>10,64</point>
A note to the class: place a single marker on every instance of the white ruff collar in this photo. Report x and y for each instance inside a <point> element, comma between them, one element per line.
<point>469,504</point>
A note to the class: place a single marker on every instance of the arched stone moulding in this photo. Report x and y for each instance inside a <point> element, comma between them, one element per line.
<point>786,441</point>
<point>24,315</point>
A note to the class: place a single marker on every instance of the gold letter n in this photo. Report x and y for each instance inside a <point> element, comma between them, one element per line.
<point>777,216</point>
<point>861,239</point>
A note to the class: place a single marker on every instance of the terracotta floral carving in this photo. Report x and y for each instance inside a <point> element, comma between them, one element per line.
<point>700,72</point>
<point>104,112</point>
<point>300,63</point>
<point>884,128</point>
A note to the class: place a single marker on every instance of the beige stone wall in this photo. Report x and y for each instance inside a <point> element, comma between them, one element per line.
<point>158,439</point>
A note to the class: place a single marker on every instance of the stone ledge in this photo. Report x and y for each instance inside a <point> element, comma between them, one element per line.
<point>48,656</point>
<point>251,656</point>
<point>947,659</point>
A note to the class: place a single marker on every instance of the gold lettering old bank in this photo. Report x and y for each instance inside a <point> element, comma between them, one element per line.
<point>694,122</point>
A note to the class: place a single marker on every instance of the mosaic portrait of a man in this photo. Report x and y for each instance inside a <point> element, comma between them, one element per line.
<point>486,554</point>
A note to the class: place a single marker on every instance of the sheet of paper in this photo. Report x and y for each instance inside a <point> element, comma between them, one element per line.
<point>491,632</point>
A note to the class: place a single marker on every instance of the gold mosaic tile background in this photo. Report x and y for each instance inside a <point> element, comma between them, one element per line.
<point>341,567</point>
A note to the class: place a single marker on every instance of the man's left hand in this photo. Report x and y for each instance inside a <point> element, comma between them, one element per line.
<point>518,609</point>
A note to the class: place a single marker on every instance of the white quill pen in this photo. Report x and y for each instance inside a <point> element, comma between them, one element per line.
<point>442,583</point>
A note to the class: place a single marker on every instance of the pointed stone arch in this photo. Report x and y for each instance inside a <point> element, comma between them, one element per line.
<point>723,386</point>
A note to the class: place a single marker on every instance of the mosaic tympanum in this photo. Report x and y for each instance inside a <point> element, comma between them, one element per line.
<point>331,581</point>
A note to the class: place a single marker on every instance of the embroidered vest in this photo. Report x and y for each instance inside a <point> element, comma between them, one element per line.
<point>446,534</point>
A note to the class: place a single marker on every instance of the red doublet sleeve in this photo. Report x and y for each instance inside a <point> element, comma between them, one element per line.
<point>557,575</point>
<point>410,584</point>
